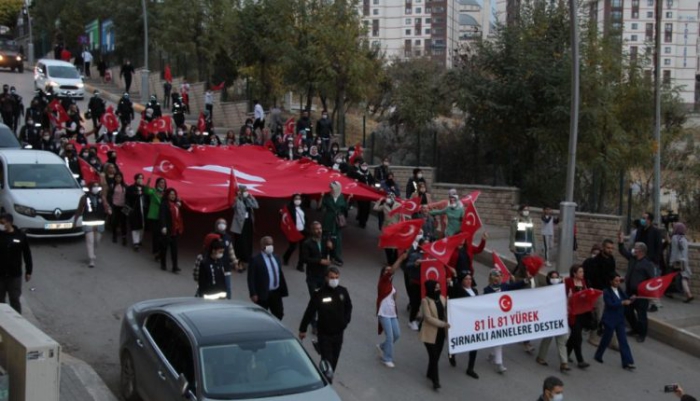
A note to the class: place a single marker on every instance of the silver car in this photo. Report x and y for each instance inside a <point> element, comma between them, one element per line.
<point>196,349</point>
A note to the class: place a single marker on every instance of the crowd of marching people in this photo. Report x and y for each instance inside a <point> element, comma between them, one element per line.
<point>129,206</point>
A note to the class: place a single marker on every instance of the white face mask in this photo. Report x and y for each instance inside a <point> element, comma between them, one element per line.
<point>221,226</point>
<point>419,176</point>
<point>2,227</point>
<point>269,249</point>
<point>218,255</point>
<point>297,202</point>
<point>525,213</point>
<point>555,280</point>
<point>245,194</point>
<point>363,168</point>
<point>558,397</point>
<point>333,282</point>
<point>95,190</point>
<point>389,202</point>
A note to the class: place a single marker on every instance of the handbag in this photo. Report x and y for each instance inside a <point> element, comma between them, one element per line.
<point>126,210</point>
<point>340,220</point>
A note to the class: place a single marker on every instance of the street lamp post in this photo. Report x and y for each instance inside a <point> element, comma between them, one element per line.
<point>20,21</point>
<point>145,72</point>
<point>567,208</point>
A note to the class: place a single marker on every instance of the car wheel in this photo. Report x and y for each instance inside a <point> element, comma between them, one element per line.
<point>128,378</point>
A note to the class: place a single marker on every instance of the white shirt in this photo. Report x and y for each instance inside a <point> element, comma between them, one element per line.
<point>548,228</point>
<point>300,218</point>
<point>272,271</point>
<point>208,98</point>
<point>87,56</point>
<point>616,291</point>
<point>470,292</point>
<point>259,112</point>
<point>387,308</point>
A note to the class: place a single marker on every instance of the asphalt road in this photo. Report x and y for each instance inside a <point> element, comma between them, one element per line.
<point>82,309</point>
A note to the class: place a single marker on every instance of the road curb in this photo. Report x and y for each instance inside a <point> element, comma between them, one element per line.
<point>659,330</point>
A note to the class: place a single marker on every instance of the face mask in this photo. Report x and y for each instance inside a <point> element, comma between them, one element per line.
<point>95,190</point>
<point>47,137</point>
<point>415,244</point>
<point>297,202</point>
<point>301,150</point>
<point>419,176</point>
<point>389,202</point>
<point>386,163</point>
<point>350,153</point>
<point>2,227</point>
<point>291,145</point>
<point>30,123</point>
<point>453,205</point>
<point>336,167</point>
<point>525,213</point>
<point>363,168</point>
<point>180,133</point>
<point>324,116</point>
<point>333,282</point>
<point>633,251</point>
<point>642,222</point>
<point>555,280</point>
<point>558,397</point>
<point>218,255</point>
<point>269,249</point>
<point>245,194</point>
<point>221,226</point>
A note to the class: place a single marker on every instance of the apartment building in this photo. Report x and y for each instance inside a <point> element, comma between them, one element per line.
<point>413,28</point>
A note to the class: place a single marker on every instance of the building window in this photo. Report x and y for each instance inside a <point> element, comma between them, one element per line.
<point>427,31</point>
<point>633,38</point>
<point>376,2</point>
<point>667,61</point>
<point>650,3</point>
<point>669,14</point>
<point>669,4</point>
<point>409,11</point>
<point>616,3</point>
<point>417,42</point>
<point>416,52</point>
<point>650,14</point>
<point>633,53</point>
<point>408,21</point>
<point>668,33</point>
<point>635,14</point>
<point>427,20</point>
<point>418,10</point>
<point>365,7</point>
<point>428,10</point>
<point>375,27</point>
<point>667,49</point>
<point>408,31</point>
<point>375,11</point>
<point>649,32</point>
<point>666,77</point>
<point>635,26</point>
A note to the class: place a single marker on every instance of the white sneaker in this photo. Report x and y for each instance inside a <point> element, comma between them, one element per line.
<point>413,325</point>
<point>379,350</point>
<point>547,264</point>
<point>500,368</point>
<point>388,364</point>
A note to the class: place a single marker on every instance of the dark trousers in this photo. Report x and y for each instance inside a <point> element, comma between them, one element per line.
<point>363,212</point>
<point>127,82</point>
<point>273,303</point>
<point>636,315</point>
<point>391,255</point>
<point>7,118</point>
<point>312,284</point>
<point>168,241</point>
<point>87,69</point>
<point>11,286</point>
<point>330,346</point>
<point>166,99</point>
<point>414,300</point>
<point>434,351</point>
<point>472,360</point>
<point>118,223</point>
<point>576,339</point>
<point>258,123</point>
<point>210,107</point>
<point>290,250</point>
<point>608,332</point>
<point>380,220</point>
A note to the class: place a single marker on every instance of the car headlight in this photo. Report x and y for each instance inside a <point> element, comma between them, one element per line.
<point>25,210</point>
<point>19,58</point>
<point>80,85</point>
<point>1,58</point>
<point>52,83</point>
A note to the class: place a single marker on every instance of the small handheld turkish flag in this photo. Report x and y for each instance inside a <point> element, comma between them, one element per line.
<point>219,87</point>
<point>472,197</point>
<point>408,206</point>
<point>471,223</point>
<point>88,172</point>
<point>289,126</point>
<point>583,301</point>
<point>655,287</point>
<point>160,124</point>
<point>533,263</point>
<point>169,167</point>
<point>109,120</point>
<point>443,249</point>
<point>168,75</point>
<point>431,269</point>
<point>201,123</point>
<point>357,154</point>
<point>498,264</point>
<point>288,227</point>
<point>400,235</point>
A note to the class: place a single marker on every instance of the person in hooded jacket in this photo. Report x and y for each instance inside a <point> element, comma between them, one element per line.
<point>335,207</point>
<point>94,209</point>
<point>433,331</point>
<point>455,214</point>
<point>229,260</point>
<point>137,202</point>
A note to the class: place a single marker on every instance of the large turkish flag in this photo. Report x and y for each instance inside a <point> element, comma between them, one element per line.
<point>204,182</point>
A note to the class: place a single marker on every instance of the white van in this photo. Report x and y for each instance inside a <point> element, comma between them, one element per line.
<point>40,192</point>
<point>63,77</point>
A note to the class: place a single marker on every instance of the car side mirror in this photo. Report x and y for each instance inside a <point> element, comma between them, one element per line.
<point>326,369</point>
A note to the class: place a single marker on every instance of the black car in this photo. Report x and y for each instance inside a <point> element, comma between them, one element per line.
<point>200,349</point>
<point>8,140</point>
<point>10,56</point>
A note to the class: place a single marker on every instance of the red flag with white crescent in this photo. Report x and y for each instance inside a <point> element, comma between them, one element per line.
<point>432,269</point>
<point>88,172</point>
<point>109,120</point>
<point>498,264</point>
<point>288,227</point>
<point>201,123</point>
<point>655,287</point>
<point>289,126</point>
<point>357,154</point>
<point>400,235</point>
<point>169,167</point>
<point>472,197</point>
<point>471,222</point>
<point>59,112</point>
<point>442,249</point>
<point>408,206</point>
<point>583,301</point>
<point>160,124</point>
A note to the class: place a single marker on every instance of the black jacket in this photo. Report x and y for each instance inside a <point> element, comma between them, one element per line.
<point>334,310</point>
<point>651,237</point>
<point>457,291</point>
<point>97,107</point>
<point>312,256</point>
<point>598,271</point>
<point>14,247</point>
<point>412,186</point>
<point>638,271</point>
<point>125,109</point>
<point>324,128</point>
<point>259,278</point>
<point>211,277</point>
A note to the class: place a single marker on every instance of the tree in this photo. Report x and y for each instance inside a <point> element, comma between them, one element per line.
<point>9,11</point>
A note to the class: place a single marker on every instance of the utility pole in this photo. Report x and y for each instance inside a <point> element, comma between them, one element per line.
<point>145,72</point>
<point>567,209</point>
<point>657,114</point>
<point>30,45</point>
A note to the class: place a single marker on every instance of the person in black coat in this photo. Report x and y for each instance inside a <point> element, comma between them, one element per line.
<point>464,288</point>
<point>266,283</point>
<point>137,200</point>
<point>211,281</point>
<point>316,254</point>
<point>639,270</point>
<point>13,248</point>
<point>125,110</point>
<point>412,184</point>
<point>334,308</point>
<point>97,108</point>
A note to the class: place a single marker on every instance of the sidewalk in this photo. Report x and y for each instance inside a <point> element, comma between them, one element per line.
<point>676,324</point>
<point>79,381</point>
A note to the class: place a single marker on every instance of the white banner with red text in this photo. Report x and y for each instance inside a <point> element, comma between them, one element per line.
<point>506,317</point>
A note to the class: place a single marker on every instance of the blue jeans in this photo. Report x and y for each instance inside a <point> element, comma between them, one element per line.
<point>390,325</point>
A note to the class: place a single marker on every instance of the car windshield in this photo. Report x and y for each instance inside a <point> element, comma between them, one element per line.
<point>8,45</point>
<point>40,176</point>
<point>61,71</point>
<point>258,368</point>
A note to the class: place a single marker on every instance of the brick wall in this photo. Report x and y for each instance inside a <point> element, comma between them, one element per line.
<point>694,261</point>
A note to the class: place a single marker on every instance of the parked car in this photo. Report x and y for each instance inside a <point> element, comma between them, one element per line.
<point>63,77</point>
<point>10,56</point>
<point>38,189</point>
<point>201,350</point>
<point>8,139</point>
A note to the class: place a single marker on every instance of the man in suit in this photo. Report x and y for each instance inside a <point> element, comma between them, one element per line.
<point>315,253</point>
<point>614,322</point>
<point>266,283</point>
<point>640,269</point>
<point>464,288</point>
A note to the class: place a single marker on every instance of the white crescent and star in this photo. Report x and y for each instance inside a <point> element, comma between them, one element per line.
<point>505,303</point>
<point>411,231</point>
<point>435,251</point>
<point>165,166</point>
<point>659,283</point>
<point>470,219</point>
<point>432,269</point>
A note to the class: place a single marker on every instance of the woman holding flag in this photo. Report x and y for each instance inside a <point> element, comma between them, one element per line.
<point>297,217</point>
<point>576,283</point>
<point>434,328</point>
